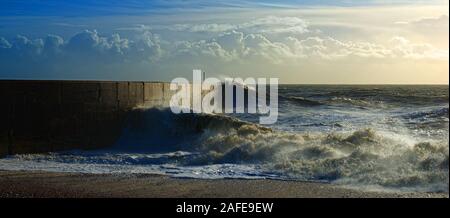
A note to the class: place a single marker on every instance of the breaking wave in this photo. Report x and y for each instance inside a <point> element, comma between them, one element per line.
<point>219,146</point>
<point>398,142</point>
<point>363,157</point>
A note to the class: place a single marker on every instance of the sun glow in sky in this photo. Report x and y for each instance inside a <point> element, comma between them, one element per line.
<point>338,42</point>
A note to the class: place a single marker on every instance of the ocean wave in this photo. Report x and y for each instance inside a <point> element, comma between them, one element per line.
<point>431,120</point>
<point>303,101</point>
<point>336,101</point>
<point>428,114</point>
<point>361,103</point>
<point>394,95</point>
<point>363,157</point>
<point>146,128</point>
<point>168,143</point>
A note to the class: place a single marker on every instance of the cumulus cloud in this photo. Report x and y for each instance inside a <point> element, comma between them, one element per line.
<point>282,39</point>
<point>202,50</point>
<point>330,48</point>
<point>84,46</point>
<point>90,51</point>
<point>87,52</point>
<point>252,47</point>
<point>402,47</point>
<point>235,46</point>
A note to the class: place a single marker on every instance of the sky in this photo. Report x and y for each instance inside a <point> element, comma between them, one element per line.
<point>303,42</point>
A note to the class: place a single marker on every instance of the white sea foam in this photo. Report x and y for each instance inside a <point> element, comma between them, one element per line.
<point>402,149</point>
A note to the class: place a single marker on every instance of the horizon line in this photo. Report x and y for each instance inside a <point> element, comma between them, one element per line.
<point>343,84</point>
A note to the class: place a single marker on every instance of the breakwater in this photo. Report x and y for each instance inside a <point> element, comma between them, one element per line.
<point>43,116</point>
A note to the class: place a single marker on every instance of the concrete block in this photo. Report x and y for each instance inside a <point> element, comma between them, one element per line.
<point>124,102</point>
<point>42,116</point>
<point>153,91</point>
<point>136,93</point>
<point>109,94</point>
<point>167,92</point>
<point>3,150</point>
<point>4,144</point>
<point>123,91</point>
<point>5,114</point>
<point>79,92</point>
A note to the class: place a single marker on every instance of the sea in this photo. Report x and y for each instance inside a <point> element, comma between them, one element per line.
<point>371,137</point>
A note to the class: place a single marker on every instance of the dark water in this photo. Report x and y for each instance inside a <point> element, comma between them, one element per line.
<point>302,108</point>
<point>377,137</point>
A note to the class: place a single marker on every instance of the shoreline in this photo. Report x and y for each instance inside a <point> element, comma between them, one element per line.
<point>40,184</point>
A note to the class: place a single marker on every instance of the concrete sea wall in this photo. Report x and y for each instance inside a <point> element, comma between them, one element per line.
<point>43,116</point>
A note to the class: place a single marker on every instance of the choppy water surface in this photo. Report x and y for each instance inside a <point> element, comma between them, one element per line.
<point>380,137</point>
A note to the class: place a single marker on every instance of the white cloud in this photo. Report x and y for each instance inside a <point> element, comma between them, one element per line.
<point>91,49</point>
<point>136,27</point>
<point>432,30</point>
<point>208,27</point>
<point>203,49</point>
<point>269,24</point>
<point>252,47</point>
<point>402,47</point>
<point>274,24</point>
<point>433,22</point>
<point>85,52</point>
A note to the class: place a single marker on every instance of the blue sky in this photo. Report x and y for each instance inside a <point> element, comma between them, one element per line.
<point>130,7</point>
<point>375,41</point>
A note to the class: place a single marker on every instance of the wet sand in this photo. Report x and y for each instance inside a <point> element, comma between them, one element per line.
<point>18,184</point>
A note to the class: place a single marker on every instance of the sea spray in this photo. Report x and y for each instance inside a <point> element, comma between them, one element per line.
<point>402,146</point>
